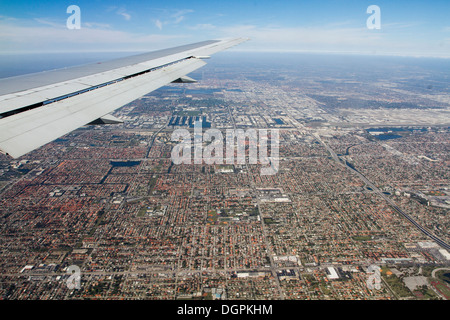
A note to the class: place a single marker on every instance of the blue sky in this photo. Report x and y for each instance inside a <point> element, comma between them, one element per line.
<point>417,28</point>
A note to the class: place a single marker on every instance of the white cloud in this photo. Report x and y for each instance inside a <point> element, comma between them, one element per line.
<point>178,19</point>
<point>45,35</point>
<point>124,14</point>
<point>158,24</point>
<point>24,37</point>
<point>97,25</point>
<point>179,15</point>
<point>170,17</point>
<point>202,26</point>
<point>50,23</point>
<point>7,18</point>
<point>332,39</point>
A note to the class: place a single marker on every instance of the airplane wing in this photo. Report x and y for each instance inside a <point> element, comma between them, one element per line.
<point>38,108</point>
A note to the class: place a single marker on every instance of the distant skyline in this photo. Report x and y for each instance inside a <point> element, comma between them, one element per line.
<point>411,28</point>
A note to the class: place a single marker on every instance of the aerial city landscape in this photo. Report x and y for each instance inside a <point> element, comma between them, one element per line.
<point>363,182</point>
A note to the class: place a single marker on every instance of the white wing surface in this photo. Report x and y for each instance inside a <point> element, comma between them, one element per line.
<point>38,108</point>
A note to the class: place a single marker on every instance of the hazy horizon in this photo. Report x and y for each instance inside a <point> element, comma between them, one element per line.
<point>12,65</point>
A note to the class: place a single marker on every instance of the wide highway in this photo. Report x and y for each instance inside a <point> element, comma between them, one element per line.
<point>424,230</point>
